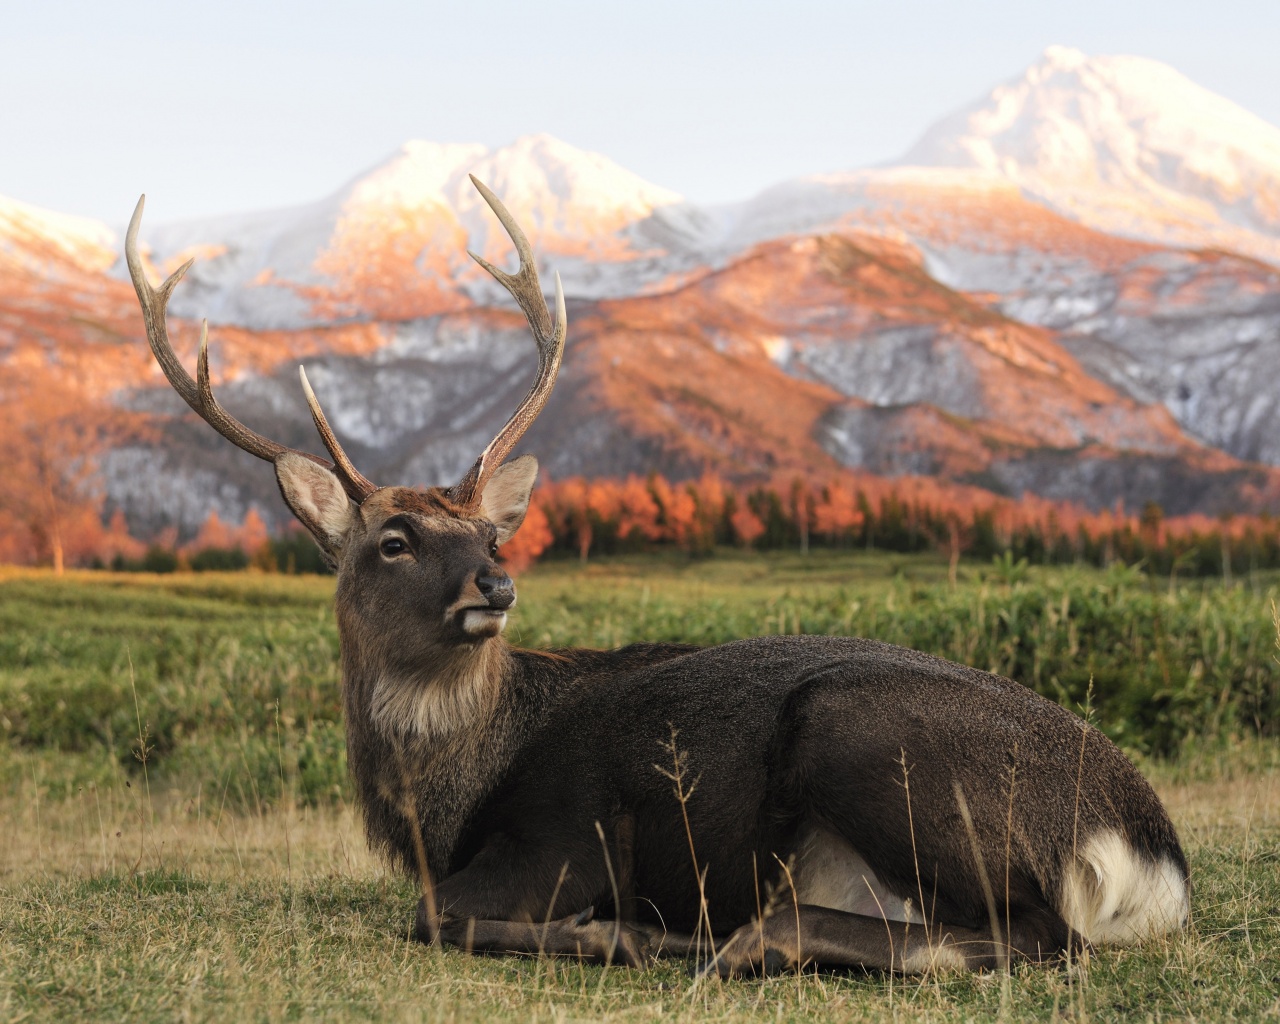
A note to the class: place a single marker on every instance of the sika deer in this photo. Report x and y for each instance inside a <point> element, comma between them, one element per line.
<point>904,812</point>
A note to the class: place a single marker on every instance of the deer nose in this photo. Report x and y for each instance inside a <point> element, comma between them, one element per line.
<point>499,591</point>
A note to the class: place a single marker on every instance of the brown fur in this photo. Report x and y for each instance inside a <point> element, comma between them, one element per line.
<point>458,692</point>
<point>433,717</point>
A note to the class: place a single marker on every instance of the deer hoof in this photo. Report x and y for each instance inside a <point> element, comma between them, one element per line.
<point>775,962</point>
<point>720,966</point>
<point>632,949</point>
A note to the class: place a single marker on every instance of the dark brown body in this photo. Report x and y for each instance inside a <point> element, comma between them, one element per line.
<point>779,737</point>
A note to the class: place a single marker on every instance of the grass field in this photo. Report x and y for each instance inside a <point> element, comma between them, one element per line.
<point>179,841</point>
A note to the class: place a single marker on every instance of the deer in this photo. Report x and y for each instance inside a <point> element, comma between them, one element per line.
<point>762,805</point>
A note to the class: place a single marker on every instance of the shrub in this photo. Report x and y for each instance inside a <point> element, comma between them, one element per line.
<point>219,560</point>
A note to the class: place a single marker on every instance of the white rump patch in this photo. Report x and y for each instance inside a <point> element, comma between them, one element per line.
<point>831,873</point>
<point>1112,895</point>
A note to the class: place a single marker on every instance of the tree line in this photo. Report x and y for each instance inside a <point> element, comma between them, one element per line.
<point>906,514</point>
<point>583,519</point>
<point>51,512</point>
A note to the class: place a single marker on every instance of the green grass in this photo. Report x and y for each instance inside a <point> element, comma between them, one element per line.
<point>231,878</point>
<point>233,670</point>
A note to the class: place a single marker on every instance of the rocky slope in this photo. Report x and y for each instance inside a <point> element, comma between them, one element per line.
<point>1195,331</point>
<point>967,320</point>
<point>800,358</point>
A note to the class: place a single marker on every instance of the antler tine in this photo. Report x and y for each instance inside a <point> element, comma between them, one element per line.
<point>222,421</point>
<point>154,304</point>
<point>198,393</point>
<point>549,336</point>
<point>523,285</point>
<point>353,480</point>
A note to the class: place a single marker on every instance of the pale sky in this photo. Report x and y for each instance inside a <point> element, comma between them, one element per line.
<point>245,104</point>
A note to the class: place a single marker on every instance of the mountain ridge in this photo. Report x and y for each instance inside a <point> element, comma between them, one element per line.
<point>1126,145</point>
<point>944,319</point>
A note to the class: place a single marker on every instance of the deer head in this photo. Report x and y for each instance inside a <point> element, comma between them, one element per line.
<point>426,554</point>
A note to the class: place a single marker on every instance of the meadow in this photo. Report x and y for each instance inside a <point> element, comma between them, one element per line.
<point>180,842</point>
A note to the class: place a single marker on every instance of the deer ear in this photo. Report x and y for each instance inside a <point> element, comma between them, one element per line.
<point>318,500</point>
<point>506,495</point>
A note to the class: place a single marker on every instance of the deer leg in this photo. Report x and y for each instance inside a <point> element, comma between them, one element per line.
<point>505,899</point>
<point>795,936</point>
<point>580,936</point>
<point>675,944</point>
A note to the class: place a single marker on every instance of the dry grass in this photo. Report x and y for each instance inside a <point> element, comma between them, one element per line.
<point>145,896</point>
<point>114,907</point>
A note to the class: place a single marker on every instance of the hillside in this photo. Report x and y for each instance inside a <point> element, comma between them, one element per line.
<point>800,358</point>
<point>961,320</point>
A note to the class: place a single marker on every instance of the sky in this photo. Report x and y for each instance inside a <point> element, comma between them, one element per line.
<point>249,104</point>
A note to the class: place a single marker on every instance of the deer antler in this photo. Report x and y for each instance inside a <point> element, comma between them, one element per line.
<point>199,394</point>
<point>527,291</point>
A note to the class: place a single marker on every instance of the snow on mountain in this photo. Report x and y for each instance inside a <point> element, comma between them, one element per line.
<point>974,315</point>
<point>1195,331</point>
<point>57,304</point>
<point>802,356</point>
<point>1126,145</point>
<point>391,245</point>
<point>1123,144</point>
<point>557,192</point>
<point>1198,332</point>
<point>32,238</point>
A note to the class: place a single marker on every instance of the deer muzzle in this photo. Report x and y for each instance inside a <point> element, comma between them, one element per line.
<point>498,592</point>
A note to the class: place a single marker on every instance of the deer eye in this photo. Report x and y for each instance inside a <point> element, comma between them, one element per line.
<point>493,549</point>
<point>392,546</point>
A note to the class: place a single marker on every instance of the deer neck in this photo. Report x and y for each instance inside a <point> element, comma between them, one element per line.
<point>454,691</point>
<point>427,742</point>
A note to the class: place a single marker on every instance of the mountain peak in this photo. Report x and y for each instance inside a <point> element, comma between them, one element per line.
<point>1125,144</point>
<point>1057,56</point>
<point>391,243</point>
<point>563,190</point>
<point>535,171</point>
<point>29,233</point>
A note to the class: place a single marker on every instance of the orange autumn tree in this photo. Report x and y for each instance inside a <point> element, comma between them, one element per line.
<point>802,510</point>
<point>836,514</point>
<point>896,514</point>
<point>117,544</point>
<point>215,535</point>
<point>637,511</point>
<point>677,513</point>
<point>53,432</point>
<point>711,497</point>
<point>747,526</point>
<point>568,506</point>
<point>533,538</point>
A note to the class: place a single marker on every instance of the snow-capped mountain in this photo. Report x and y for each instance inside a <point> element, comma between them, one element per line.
<point>1122,144</point>
<point>1029,304</point>
<point>1126,145</point>
<point>33,239</point>
<point>391,244</point>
